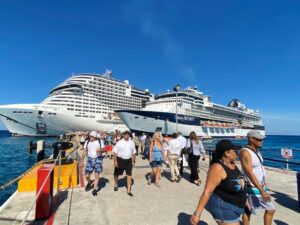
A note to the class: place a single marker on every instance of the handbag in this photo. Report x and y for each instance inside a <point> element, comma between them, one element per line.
<point>188,150</point>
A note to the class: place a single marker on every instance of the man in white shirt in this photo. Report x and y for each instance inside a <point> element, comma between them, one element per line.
<point>174,151</point>
<point>124,159</point>
<point>93,149</point>
<point>182,141</point>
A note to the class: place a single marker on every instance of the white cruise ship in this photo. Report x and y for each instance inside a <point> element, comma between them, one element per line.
<point>190,110</point>
<point>82,102</point>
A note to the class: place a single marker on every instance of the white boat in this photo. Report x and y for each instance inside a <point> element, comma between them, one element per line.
<point>190,110</point>
<point>82,102</point>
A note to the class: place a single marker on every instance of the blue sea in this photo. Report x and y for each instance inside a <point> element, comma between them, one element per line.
<point>15,159</point>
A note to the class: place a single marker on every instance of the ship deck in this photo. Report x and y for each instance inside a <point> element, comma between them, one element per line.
<point>170,204</point>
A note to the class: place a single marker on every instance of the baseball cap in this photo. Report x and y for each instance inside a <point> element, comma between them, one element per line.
<point>255,134</point>
<point>93,134</point>
<point>226,145</point>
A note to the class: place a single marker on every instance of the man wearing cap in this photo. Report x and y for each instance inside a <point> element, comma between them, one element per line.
<point>124,159</point>
<point>252,165</point>
<point>94,162</point>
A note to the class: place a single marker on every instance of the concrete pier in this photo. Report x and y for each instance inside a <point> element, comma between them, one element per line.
<point>170,204</point>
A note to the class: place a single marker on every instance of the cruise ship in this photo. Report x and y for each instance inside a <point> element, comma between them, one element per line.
<point>190,110</point>
<point>82,102</point>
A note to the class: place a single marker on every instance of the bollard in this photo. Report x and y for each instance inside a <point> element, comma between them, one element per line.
<point>44,200</point>
<point>298,188</point>
<point>40,150</point>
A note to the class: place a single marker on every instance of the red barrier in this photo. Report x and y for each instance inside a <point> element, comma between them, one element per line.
<point>44,200</point>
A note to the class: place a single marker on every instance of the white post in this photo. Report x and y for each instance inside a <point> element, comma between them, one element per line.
<point>176,114</point>
<point>287,164</point>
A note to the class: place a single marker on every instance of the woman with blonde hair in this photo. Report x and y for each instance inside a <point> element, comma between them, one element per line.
<point>156,158</point>
<point>196,149</point>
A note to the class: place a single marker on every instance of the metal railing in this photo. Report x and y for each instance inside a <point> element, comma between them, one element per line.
<point>58,159</point>
<point>265,158</point>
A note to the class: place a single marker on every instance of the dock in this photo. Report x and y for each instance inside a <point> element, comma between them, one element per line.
<point>171,204</point>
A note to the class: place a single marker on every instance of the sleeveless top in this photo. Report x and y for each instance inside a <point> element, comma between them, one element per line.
<point>156,154</point>
<point>232,188</point>
<point>257,167</point>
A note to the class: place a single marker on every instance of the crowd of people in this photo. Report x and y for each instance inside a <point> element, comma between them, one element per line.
<point>229,193</point>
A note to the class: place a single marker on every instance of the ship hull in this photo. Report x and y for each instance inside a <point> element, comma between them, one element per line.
<point>27,120</point>
<point>149,121</point>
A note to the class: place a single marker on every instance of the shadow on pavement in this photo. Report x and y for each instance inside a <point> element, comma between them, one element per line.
<point>123,182</point>
<point>184,219</point>
<point>285,200</point>
<point>279,222</point>
<point>102,183</point>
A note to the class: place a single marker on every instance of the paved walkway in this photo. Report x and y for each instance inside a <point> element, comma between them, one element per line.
<point>170,204</point>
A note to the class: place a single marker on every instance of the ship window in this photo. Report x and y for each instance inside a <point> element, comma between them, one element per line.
<point>136,117</point>
<point>15,112</point>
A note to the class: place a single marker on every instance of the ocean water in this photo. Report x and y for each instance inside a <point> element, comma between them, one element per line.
<point>272,149</point>
<point>15,159</point>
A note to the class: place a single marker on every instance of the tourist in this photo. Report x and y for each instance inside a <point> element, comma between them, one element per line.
<point>182,141</point>
<point>258,194</point>
<point>174,152</point>
<point>196,149</point>
<point>142,142</point>
<point>224,194</point>
<point>83,138</point>
<point>165,148</point>
<point>124,159</point>
<point>94,162</point>
<point>136,143</point>
<point>156,158</point>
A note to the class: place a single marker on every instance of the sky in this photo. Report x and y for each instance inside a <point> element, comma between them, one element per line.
<point>248,50</point>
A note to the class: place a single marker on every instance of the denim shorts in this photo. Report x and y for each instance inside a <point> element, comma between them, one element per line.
<point>156,164</point>
<point>222,211</point>
<point>94,164</point>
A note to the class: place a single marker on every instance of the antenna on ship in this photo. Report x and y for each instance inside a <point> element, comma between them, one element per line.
<point>108,73</point>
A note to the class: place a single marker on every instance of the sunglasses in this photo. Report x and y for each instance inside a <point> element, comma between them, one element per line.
<point>260,140</point>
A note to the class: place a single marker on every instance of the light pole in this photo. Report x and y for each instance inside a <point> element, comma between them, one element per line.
<point>176,89</point>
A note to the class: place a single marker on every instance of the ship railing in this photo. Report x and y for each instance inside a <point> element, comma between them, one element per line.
<point>58,159</point>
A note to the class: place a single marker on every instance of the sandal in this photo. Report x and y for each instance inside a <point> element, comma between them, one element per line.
<point>198,182</point>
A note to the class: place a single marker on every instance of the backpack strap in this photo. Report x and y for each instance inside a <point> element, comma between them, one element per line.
<point>247,146</point>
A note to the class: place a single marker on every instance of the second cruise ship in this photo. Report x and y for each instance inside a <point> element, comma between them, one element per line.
<point>82,102</point>
<point>190,110</point>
